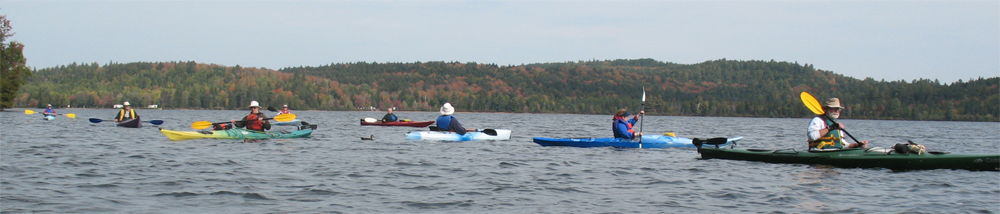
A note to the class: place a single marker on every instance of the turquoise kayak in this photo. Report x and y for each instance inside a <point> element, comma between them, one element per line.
<point>235,133</point>
<point>49,117</point>
<point>649,141</point>
<point>876,157</point>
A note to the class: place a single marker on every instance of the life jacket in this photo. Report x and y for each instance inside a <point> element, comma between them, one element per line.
<point>832,139</point>
<point>443,122</point>
<point>50,111</point>
<point>221,126</point>
<point>122,114</point>
<point>614,126</point>
<point>284,112</point>
<point>253,124</point>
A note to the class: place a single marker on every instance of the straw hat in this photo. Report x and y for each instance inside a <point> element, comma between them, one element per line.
<point>447,109</point>
<point>833,103</point>
<point>622,113</point>
<point>126,103</point>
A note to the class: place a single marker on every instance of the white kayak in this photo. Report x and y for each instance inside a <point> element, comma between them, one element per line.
<point>49,117</point>
<point>484,134</point>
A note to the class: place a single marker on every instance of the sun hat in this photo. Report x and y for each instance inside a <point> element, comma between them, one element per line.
<point>50,105</point>
<point>622,113</point>
<point>254,104</point>
<point>447,109</point>
<point>285,106</point>
<point>126,103</point>
<point>833,103</point>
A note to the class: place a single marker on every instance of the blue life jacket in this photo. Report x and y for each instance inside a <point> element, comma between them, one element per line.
<point>443,122</point>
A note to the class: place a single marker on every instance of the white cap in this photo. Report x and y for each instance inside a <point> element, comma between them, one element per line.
<point>126,103</point>
<point>50,105</point>
<point>285,106</point>
<point>447,109</point>
<point>254,104</point>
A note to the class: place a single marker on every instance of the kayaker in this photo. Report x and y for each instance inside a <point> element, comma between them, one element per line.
<point>284,110</point>
<point>390,117</point>
<point>821,134</point>
<point>254,120</point>
<point>49,111</point>
<point>622,127</point>
<point>126,113</point>
<point>446,122</point>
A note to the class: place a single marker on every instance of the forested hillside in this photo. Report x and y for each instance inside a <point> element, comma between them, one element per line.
<point>712,88</point>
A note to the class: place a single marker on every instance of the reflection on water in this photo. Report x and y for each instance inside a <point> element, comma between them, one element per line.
<point>70,166</point>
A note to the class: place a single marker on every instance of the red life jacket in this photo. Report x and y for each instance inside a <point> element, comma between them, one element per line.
<point>253,123</point>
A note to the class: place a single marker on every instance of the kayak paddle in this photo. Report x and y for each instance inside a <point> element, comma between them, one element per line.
<point>206,124</point>
<point>817,109</point>
<point>70,115</point>
<point>154,122</point>
<point>641,115</point>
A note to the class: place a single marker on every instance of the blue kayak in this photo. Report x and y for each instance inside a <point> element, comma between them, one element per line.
<point>651,141</point>
<point>49,117</point>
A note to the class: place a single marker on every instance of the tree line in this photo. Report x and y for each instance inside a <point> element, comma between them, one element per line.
<point>713,88</point>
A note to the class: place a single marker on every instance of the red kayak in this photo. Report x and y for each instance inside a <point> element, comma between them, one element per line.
<point>407,123</point>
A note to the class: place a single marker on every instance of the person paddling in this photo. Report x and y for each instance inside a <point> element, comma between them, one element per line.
<point>284,110</point>
<point>390,117</point>
<point>49,111</point>
<point>126,113</point>
<point>255,120</point>
<point>825,133</point>
<point>622,126</point>
<point>446,122</point>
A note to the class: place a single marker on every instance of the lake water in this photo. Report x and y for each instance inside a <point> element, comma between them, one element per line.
<point>74,166</point>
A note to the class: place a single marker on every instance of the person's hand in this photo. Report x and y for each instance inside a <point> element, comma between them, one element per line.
<point>260,119</point>
<point>642,112</point>
<point>232,121</point>
<point>836,126</point>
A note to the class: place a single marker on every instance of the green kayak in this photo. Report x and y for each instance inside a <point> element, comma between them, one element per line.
<point>853,158</point>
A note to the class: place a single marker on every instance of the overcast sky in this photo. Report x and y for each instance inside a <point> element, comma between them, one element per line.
<point>891,40</point>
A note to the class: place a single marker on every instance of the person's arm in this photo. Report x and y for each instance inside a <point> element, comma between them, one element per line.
<point>119,115</point>
<point>136,114</point>
<point>240,124</point>
<point>456,126</point>
<point>816,129</point>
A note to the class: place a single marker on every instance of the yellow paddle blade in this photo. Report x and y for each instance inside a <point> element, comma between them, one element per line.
<point>28,111</point>
<point>71,115</point>
<point>811,103</point>
<point>284,117</point>
<point>201,125</point>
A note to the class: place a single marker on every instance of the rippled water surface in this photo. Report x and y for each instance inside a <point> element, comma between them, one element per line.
<point>74,166</point>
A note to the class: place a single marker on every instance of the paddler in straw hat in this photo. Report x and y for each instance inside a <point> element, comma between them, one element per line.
<point>126,113</point>
<point>255,120</point>
<point>825,133</point>
<point>446,122</point>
